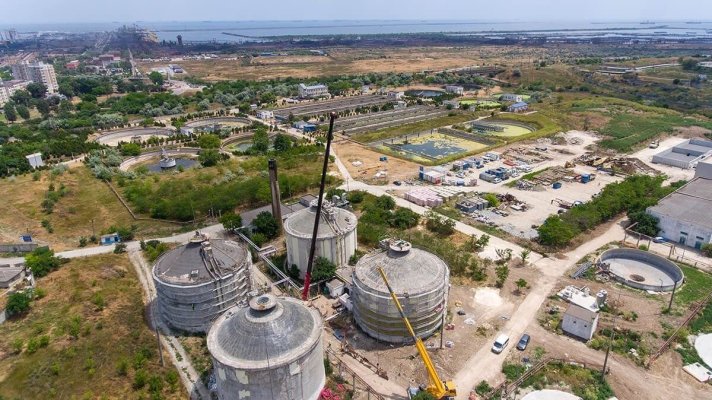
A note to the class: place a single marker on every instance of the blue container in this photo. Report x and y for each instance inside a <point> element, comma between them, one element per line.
<point>557,185</point>
<point>586,178</point>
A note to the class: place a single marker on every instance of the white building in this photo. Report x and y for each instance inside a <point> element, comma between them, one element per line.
<point>317,90</point>
<point>455,89</point>
<point>452,103</point>
<point>265,114</point>
<point>684,216</point>
<point>579,321</point>
<point>511,97</point>
<point>396,95</point>
<point>38,72</point>
<point>35,160</point>
<point>8,88</point>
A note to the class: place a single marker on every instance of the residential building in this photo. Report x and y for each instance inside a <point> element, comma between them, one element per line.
<point>579,322</point>
<point>395,95</point>
<point>265,114</point>
<point>317,90</point>
<point>518,107</point>
<point>38,72</point>
<point>511,97</point>
<point>684,215</point>
<point>685,155</point>
<point>72,65</point>
<point>459,90</point>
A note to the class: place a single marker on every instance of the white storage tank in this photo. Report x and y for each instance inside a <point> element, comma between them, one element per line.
<point>271,350</point>
<point>336,240</point>
<point>420,280</point>
<point>198,281</point>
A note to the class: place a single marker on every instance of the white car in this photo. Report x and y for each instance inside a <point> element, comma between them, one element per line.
<point>500,343</point>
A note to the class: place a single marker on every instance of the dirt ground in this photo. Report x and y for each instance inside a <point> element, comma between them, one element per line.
<point>342,61</point>
<point>350,152</point>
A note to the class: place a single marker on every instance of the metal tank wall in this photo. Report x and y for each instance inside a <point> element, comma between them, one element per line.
<point>192,308</point>
<point>302,379</point>
<point>338,249</point>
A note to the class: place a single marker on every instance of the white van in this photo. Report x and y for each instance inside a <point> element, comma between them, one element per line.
<point>500,343</point>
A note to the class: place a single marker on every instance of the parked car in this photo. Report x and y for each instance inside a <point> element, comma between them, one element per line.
<point>523,342</point>
<point>659,239</point>
<point>500,343</point>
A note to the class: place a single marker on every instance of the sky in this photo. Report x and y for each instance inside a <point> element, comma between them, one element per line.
<point>56,11</point>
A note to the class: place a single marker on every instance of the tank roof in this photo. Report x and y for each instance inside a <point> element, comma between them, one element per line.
<point>408,269</point>
<point>334,221</point>
<point>198,261</point>
<point>271,332</point>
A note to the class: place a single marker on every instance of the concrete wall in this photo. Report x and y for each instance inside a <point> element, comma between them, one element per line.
<point>670,229</point>
<point>17,247</point>
<point>704,170</point>
<point>337,249</point>
<point>663,264</point>
<point>302,379</point>
<point>578,327</point>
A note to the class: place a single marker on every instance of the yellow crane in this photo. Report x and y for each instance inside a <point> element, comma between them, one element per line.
<point>437,387</point>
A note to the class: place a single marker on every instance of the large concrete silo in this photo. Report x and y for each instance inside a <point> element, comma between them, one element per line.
<point>271,350</point>
<point>198,281</point>
<point>336,239</point>
<point>421,282</point>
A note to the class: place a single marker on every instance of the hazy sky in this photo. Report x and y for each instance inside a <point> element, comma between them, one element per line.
<point>35,11</point>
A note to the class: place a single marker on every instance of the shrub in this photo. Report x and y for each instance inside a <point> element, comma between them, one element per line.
<point>18,303</point>
<point>266,224</point>
<point>120,248</point>
<point>42,261</point>
<point>140,379</point>
<point>440,225</point>
<point>323,269</point>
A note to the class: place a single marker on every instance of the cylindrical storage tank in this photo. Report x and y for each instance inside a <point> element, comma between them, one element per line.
<point>336,240</point>
<point>421,282</point>
<point>270,350</point>
<point>198,281</point>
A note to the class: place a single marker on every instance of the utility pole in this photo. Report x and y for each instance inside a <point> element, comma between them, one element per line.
<point>672,296</point>
<point>610,341</point>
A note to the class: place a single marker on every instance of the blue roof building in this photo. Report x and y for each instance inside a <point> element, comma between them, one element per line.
<point>518,107</point>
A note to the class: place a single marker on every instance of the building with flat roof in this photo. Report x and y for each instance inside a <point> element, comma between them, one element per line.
<point>317,90</point>
<point>518,107</point>
<point>579,322</point>
<point>8,88</point>
<point>38,72</point>
<point>684,215</point>
<point>685,155</point>
<point>511,97</point>
<point>455,89</point>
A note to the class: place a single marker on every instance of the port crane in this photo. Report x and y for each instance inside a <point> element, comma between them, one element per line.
<point>437,387</point>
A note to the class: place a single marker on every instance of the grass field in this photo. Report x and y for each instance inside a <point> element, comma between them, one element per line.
<point>86,339</point>
<point>482,103</point>
<point>510,130</point>
<point>697,285</point>
<point>86,199</point>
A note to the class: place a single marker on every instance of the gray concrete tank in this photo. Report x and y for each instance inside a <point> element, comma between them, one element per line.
<point>270,350</point>
<point>198,281</point>
<point>421,282</point>
<point>336,240</point>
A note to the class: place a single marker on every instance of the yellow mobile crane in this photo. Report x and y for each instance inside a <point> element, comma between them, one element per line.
<point>438,388</point>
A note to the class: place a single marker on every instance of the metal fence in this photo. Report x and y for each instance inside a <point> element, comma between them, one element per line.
<point>361,389</point>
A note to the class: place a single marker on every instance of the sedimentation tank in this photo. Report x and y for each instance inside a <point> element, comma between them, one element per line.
<point>336,240</point>
<point>641,269</point>
<point>421,282</point>
<point>270,350</point>
<point>198,281</point>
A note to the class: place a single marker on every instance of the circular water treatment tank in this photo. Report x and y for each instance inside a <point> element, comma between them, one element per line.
<point>641,269</point>
<point>198,281</point>
<point>336,240</point>
<point>420,280</point>
<point>269,350</point>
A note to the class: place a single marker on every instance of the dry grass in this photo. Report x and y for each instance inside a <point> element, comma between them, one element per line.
<point>87,341</point>
<point>87,198</point>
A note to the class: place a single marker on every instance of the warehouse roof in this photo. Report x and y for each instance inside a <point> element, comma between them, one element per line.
<point>691,203</point>
<point>672,155</point>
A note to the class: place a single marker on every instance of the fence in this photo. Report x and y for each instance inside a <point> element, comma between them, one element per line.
<point>361,389</point>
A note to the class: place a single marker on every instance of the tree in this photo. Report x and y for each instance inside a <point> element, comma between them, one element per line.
<point>555,232</point>
<point>688,64</point>
<point>266,224</point>
<point>37,90</point>
<point>42,261</point>
<point>23,111</point>
<point>439,224</point>
<point>42,106</point>
<point>231,221</point>
<point>10,113</point>
<point>282,142</point>
<point>707,249</point>
<point>323,269</point>
<point>404,218</point>
<point>646,223</point>
<point>524,254</point>
<point>483,241</point>
<point>156,77</point>
<point>491,199</point>
<point>209,157</point>
<point>18,303</point>
<point>209,141</point>
<point>260,140</point>
<point>502,273</point>
<point>130,149</point>
<point>521,284</point>
<point>21,97</point>
<point>423,395</point>
<point>385,202</point>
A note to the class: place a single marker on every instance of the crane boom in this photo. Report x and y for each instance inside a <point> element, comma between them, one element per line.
<point>437,387</point>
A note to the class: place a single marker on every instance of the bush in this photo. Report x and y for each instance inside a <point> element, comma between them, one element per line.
<point>140,379</point>
<point>42,261</point>
<point>323,269</point>
<point>231,221</point>
<point>707,249</point>
<point>120,248</point>
<point>491,199</point>
<point>440,225</point>
<point>18,303</point>
<point>266,224</point>
<point>356,196</point>
<point>154,249</point>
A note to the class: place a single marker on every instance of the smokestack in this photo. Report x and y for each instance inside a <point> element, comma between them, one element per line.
<point>274,187</point>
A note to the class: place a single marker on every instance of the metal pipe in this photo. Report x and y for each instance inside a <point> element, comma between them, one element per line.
<point>320,199</point>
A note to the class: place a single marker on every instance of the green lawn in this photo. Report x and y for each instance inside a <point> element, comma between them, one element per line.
<point>629,129</point>
<point>697,285</point>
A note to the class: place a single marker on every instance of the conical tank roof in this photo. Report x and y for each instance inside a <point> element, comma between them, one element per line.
<point>270,332</point>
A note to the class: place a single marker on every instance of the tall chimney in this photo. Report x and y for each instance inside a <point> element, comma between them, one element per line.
<point>274,187</point>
